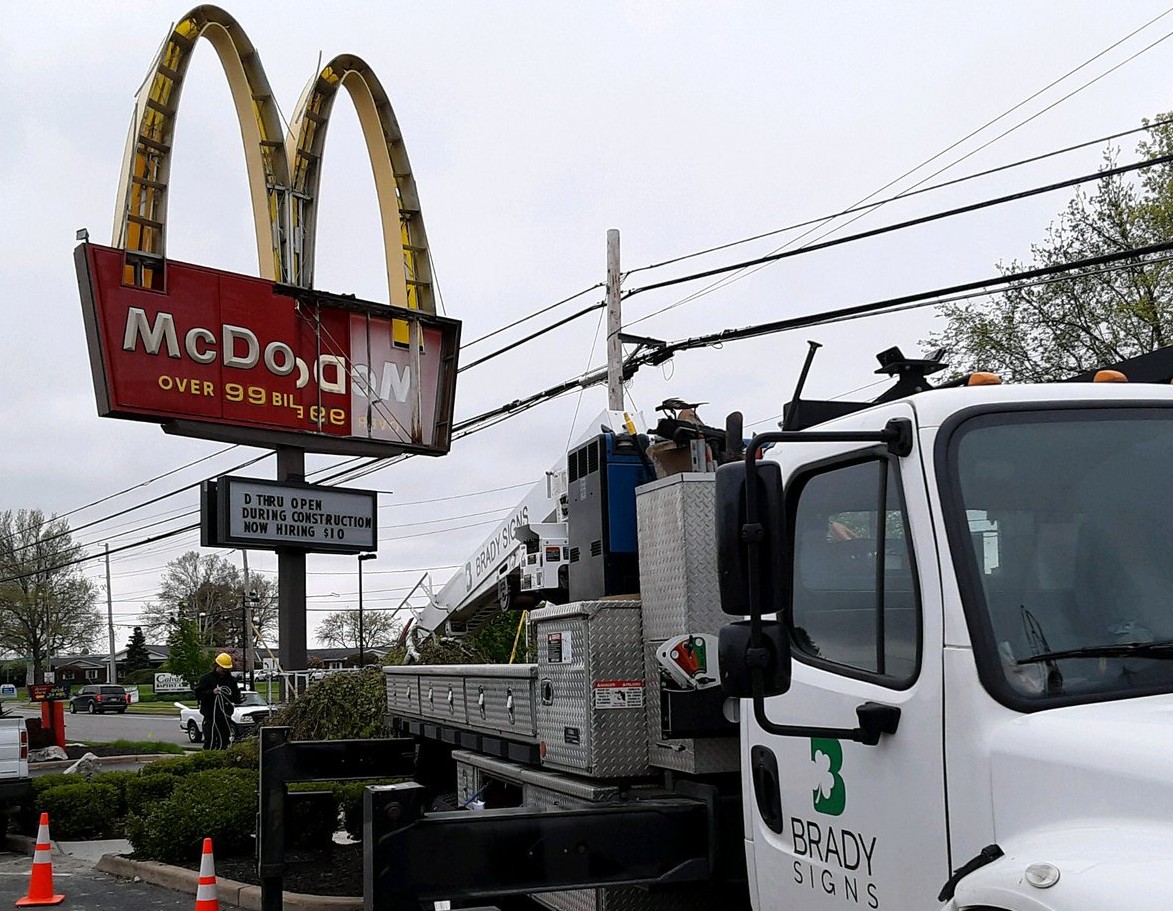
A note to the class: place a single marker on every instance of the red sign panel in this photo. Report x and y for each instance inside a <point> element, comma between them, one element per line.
<point>231,357</point>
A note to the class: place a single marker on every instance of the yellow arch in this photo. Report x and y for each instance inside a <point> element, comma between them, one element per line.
<point>404,240</point>
<point>140,225</point>
<point>284,171</point>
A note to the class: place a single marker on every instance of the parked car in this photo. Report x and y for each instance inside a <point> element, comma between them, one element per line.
<point>246,717</point>
<point>98,699</point>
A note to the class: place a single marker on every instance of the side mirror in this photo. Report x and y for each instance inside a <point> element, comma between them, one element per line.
<point>732,571</point>
<point>736,658</point>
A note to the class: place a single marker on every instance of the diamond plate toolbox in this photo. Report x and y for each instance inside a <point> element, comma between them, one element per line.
<point>486,697</point>
<point>591,693</point>
<point>680,592</point>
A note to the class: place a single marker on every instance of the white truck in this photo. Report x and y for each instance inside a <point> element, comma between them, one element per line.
<point>943,629</point>
<point>14,760</point>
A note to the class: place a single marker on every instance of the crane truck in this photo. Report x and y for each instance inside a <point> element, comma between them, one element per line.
<point>912,653</point>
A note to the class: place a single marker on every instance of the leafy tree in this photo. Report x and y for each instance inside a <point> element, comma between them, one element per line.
<point>209,591</point>
<point>187,656</point>
<point>137,656</point>
<point>1088,318</point>
<point>340,629</point>
<point>46,604</point>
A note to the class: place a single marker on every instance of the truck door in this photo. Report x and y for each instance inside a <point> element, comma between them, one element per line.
<point>836,824</point>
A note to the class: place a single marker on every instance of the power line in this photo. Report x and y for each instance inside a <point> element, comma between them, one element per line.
<point>899,226</point>
<point>906,194</point>
<point>518,322</point>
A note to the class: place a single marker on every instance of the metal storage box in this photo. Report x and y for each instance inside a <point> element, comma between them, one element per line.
<point>500,698</point>
<point>491,698</point>
<point>591,692</point>
<point>680,594</point>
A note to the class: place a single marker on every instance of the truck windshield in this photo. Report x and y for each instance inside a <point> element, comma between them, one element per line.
<point>1062,531</point>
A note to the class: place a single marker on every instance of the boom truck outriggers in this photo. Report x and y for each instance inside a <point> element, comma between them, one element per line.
<point>915,653</point>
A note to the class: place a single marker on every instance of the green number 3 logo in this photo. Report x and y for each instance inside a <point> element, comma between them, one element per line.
<point>830,794</point>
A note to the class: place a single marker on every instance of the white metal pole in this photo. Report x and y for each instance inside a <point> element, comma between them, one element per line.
<point>614,325</point>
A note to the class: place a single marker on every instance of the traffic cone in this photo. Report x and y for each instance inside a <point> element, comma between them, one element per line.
<point>41,882</point>
<point>206,897</point>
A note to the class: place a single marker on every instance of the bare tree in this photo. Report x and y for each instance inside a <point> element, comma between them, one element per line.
<point>209,591</point>
<point>340,629</point>
<point>46,604</point>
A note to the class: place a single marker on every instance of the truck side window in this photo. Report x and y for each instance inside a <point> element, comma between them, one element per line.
<point>855,602</point>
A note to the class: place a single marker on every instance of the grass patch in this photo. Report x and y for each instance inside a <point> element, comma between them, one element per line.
<point>131,747</point>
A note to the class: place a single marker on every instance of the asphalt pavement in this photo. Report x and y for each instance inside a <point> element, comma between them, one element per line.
<point>85,889</point>
<point>104,728</point>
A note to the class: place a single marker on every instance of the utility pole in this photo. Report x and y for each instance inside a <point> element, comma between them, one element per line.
<point>614,325</point>
<point>113,678</point>
<point>362,558</point>
<point>246,622</point>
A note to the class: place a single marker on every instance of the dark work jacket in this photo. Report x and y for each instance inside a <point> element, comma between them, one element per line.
<point>205,691</point>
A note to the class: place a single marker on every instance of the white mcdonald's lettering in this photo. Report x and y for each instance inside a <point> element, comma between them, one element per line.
<point>395,386</point>
<point>241,350</point>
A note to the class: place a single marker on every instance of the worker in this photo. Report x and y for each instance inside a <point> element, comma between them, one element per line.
<point>218,691</point>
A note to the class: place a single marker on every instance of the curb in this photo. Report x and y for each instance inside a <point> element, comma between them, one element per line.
<point>228,890</point>
<point>20,844</point>
<point>54,765</point>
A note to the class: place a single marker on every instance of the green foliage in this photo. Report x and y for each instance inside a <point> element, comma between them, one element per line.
<point>339,707</point>
<point>188,657</point>
<point>137,656</point>
<point>491,644</point>
<point>130,747</point>
<point>80,810</point>
<point>219,803</point>
<point>140,677</point>
<point>120,781</point>
<point>1086,318</point>
<point>237,756</point>
<point>143,791</point>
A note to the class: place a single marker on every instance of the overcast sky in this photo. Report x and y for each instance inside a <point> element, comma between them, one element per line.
<point>532,128</point>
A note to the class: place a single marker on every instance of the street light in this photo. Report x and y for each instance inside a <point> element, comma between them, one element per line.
<point>248,603</point>
<point>362,558</point>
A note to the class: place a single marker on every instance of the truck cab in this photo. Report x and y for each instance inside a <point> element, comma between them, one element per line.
<point>1004,587</point>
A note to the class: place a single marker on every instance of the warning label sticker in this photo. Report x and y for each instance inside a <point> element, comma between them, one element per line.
<point>558,648</point>
<point>619,694</point>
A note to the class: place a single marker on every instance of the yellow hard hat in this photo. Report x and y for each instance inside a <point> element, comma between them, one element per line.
<point>224,660</point>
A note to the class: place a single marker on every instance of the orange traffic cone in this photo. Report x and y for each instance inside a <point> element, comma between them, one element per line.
<point>41,882</point>
<point>206,897</point>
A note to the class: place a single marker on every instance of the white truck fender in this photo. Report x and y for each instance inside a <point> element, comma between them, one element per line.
<point>1088,868</point>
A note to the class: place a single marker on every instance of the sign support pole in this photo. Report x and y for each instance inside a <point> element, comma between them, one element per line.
<point>113,678</point>
<point>291,622</point>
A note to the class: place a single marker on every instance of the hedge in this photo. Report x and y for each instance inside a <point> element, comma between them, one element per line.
<point>80,810</point>
<point>220,804</point>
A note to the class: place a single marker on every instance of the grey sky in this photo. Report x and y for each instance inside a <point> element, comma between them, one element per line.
<point>533,128</point>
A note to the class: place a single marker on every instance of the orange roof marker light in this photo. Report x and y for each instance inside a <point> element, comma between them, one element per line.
<point>983,379</point>
<point>1109,376</point>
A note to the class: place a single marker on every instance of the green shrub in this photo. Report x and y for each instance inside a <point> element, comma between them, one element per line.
<point>340,707</point>
<point>81,810</point>
<point>220,804</point>
<point>146,790</point>
<point>120,781</point>
<point>30,812</point>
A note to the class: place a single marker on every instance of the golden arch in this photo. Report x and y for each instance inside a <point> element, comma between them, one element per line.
<point>283,170</point>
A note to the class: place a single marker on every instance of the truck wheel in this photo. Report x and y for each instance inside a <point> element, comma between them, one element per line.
<point>193,732</point>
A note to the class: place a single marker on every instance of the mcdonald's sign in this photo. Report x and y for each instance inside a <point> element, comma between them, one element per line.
<point>266,359</point>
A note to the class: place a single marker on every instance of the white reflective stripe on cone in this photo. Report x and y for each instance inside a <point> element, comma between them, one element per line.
<point>206,892</point>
